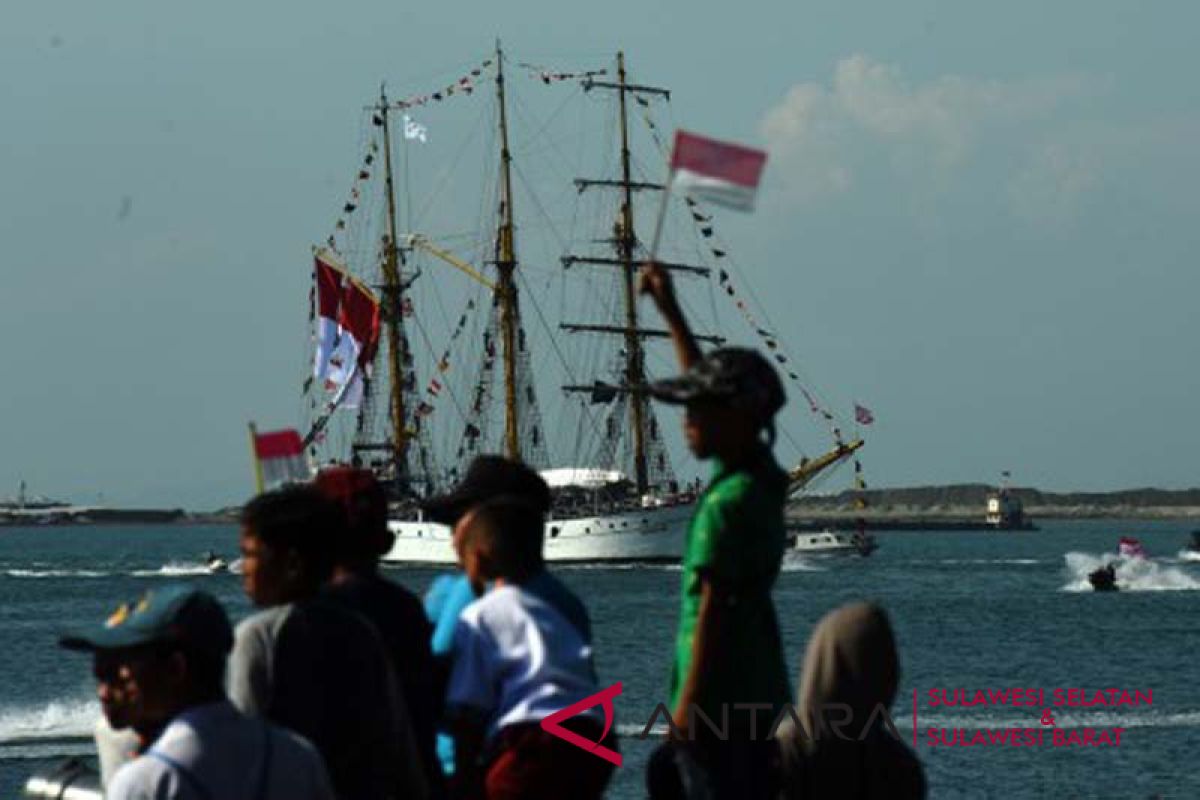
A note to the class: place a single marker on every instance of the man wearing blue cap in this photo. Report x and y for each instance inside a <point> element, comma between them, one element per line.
<point>164,658</point>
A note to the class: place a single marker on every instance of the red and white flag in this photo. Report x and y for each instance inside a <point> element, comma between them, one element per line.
<point>329,279</point>
<point>863,415</point>
<point>280,458</point>
<point>721,172</point>
<point>348,325</point>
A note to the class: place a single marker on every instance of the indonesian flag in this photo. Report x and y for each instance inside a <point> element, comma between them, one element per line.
<point>723,173</point>
<point>329,280</point>
<point>280,456</point>
<point>863,415</point>
<point>347,330</point>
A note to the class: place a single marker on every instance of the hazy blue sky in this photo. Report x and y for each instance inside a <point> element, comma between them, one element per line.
<point>979,218</point>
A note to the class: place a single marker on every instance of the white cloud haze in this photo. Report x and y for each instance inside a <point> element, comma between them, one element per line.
<point>826,139</point>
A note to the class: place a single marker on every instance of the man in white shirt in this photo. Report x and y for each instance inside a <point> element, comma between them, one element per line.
<point>166,656</point>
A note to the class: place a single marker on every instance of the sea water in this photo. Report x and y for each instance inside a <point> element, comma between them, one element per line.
<point>972,611</point>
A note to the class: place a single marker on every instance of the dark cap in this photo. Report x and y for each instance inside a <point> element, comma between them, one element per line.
<point>176,613</point>
<point>737,375</point>
<point>488,478</point>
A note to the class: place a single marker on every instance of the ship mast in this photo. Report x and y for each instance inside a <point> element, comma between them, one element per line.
<point>635,372</point>
<point>626,242</point>
<point>506,264</point>
<point>393,290</point>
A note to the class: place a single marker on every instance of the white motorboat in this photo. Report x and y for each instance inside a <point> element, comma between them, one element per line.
<point>834,543</point>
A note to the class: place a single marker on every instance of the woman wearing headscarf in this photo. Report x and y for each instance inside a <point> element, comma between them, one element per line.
<point>846,746</point>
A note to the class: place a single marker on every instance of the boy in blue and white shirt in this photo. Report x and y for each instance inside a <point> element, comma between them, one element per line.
<point>522,652</point>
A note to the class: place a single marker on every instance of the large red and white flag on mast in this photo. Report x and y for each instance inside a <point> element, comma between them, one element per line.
<point>279,458</point>
<point>329,279</point>
<point>348,322</point>
<point>721,172</point>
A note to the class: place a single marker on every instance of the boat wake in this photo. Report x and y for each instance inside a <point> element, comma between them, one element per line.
<point>793,562</point>
<point>58,720</point>
<point>632,566</point>
<point>1133,574</point>
<point>173,569</point>
<point>1189,555</point>
<point>55,573</point>
<point>182,569</point>
<point>1019,561</point>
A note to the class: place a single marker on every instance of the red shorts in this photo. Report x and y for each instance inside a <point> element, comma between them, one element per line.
<point>530,764</point>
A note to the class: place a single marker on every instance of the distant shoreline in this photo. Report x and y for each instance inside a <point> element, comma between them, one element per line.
<point>965,503</point>
<point>938,507</point>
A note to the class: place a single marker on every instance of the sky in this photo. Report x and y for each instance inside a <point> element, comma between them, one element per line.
<point>977,218</point>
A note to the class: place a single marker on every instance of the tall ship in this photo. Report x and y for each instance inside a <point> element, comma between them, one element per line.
<point>515,327</point>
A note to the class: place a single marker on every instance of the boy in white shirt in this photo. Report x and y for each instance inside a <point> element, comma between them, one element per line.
<point>523,651</point>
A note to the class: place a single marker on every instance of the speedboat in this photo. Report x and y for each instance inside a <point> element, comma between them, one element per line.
<point>835,543</point>
<point>1104,579</point>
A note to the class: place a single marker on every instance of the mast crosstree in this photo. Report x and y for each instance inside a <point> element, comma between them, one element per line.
<point>627,249</point>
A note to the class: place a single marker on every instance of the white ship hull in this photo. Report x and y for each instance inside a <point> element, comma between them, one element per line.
<point>650,534</point>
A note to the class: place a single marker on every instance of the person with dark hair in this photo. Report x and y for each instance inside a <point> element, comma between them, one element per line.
<point>729,662</point>
<point>395,612</point>
<point>160,665</point>
<point>843,747</point>
<point>308,663</point>
<point>523,651</point>
<point>487,477</point>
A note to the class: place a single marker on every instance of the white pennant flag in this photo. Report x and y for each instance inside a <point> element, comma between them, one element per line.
<point>414,130</point>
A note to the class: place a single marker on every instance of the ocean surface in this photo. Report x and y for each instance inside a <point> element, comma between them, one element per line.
<point>971,610</point>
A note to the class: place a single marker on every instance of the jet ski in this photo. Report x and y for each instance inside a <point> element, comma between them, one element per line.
<point>1129,547</point>
<point>215,563</point>
<point>1104,579</point>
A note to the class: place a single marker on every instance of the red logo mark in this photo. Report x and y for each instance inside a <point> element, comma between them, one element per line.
<point>602,698</point>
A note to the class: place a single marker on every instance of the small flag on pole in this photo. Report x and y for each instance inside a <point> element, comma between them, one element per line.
<point>863,415</point>
<point>720,172</point>
<point>279,458</point>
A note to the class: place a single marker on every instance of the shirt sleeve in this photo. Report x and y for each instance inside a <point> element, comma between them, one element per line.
<point>435,596</point>
<point>715,553</point>
<point>458,595</point>
<point>138,780</point>
<point>249,670</point>
<point>471,683</point>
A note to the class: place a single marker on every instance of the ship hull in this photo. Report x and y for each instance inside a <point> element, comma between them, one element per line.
<point>637,535</point>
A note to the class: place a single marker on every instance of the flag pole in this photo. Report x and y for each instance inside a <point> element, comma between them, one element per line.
<point>258,474</point>
<point>662,215</point>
